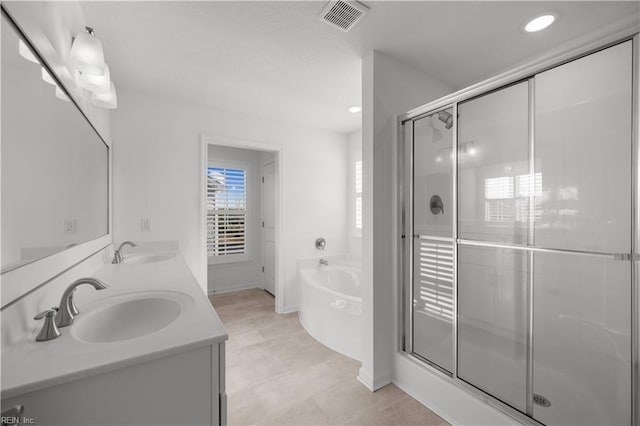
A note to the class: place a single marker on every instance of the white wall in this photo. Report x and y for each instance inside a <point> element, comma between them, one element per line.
<point>389,88</point>
<point>156,175</point>
<point>355,238</point>
<point>247,274</point>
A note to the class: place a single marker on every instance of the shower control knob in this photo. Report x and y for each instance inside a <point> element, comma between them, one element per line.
<point>436,205</point>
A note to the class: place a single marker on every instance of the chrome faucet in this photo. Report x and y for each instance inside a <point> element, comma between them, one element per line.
<point>117,255</point>
<point>324,262</point>
<point>67,309</point>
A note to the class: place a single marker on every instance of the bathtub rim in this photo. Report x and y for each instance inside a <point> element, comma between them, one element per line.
<point>305,276</point>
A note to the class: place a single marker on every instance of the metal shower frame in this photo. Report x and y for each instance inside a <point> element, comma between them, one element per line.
<point>405,215</point>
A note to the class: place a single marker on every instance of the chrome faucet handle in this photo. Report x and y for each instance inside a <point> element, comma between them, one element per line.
<point>49,330</point>
<point>117,257</point>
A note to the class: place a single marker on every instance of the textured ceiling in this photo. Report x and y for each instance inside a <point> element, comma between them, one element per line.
<point>278,60</point>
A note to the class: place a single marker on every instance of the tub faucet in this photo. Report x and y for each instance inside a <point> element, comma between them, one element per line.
<point>117,255</point>
<point>324,262</point>
<point>67,309</point>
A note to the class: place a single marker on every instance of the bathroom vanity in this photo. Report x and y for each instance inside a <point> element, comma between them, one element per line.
<point>148,350</point>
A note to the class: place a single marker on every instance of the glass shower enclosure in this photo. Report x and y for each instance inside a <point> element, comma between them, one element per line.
<point>519,228</point>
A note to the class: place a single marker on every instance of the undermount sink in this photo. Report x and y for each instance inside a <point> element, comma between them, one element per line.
<point>147,258</point>
<point>129,316</point>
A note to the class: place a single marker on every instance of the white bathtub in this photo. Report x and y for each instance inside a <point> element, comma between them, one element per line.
<point>331,306</point>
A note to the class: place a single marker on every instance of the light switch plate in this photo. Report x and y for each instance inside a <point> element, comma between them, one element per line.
<point>145,224</point>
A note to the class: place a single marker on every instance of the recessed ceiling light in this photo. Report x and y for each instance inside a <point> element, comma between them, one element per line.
<point>354,109</point>
<point>539,23</point>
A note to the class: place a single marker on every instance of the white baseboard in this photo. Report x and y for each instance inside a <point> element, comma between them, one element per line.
<point>291,308</point>
<point>450,402</point>
<point>373,383</point>
<point>233,288</point>
<point>366,379</point>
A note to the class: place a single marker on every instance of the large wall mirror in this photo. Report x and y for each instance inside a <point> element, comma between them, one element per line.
<point>54,164</point>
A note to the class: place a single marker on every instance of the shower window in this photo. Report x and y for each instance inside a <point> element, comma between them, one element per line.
<point>507,198</point>
<point>226,214</point>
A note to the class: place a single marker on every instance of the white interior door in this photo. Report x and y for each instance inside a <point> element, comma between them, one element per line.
<point>269,225</point>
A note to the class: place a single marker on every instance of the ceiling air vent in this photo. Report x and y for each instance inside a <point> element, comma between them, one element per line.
<point>343,14</point>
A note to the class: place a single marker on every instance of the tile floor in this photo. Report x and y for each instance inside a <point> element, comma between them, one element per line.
<point>279,375</point>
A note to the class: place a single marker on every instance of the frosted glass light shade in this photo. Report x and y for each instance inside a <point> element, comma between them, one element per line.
<point>47,77</point>
<point>87,55</point>
<point>106,100</point>
<point>96,83</point>
<point>26,53</point>
<point>61,95</point>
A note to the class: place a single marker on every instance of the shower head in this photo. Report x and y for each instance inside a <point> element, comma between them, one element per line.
<point>446,118</point>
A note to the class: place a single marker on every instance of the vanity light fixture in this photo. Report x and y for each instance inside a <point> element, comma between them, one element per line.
<point>47,77</point>
<point>354,109</point>
<point>26,53</point>
<point>86,53</point>
<point>61,95</point>
<point>95,83</point>
<point>106,99</point>
<point>539,23</point>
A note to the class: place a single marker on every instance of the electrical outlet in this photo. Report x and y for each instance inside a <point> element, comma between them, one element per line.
<point>145,224</point>
<point>69,226</point>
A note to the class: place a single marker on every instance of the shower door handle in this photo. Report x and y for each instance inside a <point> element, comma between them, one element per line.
<point>626,256</point>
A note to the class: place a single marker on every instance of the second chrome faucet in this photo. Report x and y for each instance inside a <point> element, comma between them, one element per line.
<point>117,255</point>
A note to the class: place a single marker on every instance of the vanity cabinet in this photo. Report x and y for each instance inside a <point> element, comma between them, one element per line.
<point>187,388</point>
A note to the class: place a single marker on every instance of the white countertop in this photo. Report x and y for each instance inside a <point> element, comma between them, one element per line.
<point>28,365</point>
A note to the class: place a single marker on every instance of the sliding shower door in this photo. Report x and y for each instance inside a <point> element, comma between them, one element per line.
<point>582,298</point>
<point>522,253</point>
<point>493,209</point>
<point>433,239</point>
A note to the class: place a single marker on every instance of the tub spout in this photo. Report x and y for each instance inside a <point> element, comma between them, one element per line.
<point>324,262</point>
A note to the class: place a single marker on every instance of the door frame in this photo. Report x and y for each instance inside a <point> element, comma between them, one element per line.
<point>278,150</point>
<point>262,199</point>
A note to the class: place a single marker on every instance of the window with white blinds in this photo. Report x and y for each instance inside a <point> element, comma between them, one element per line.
<point>507,198</point>
<point>358,197</point>
<point>226,213</point>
